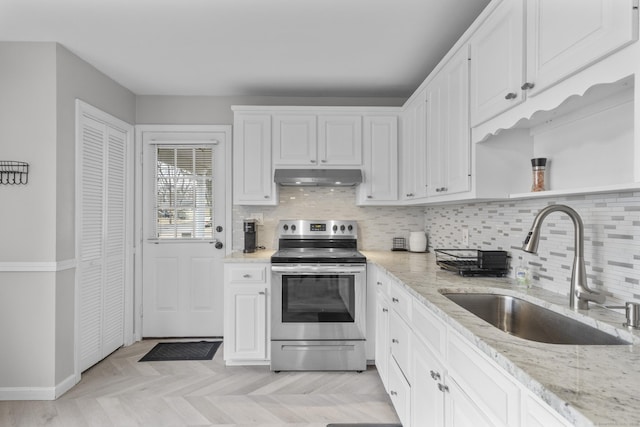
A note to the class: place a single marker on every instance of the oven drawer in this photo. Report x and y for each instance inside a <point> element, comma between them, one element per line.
<point>318,355</point>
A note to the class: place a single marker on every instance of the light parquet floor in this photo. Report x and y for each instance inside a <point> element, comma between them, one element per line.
<point>122,392</point>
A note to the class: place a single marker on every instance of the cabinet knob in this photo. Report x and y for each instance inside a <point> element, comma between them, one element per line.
<point>435,375</point>
<point>395,341</point>
<point>385,310</point>
<point>266,197</point>
<point>443,388</point>
<point>395,300</point>
<point>312,161</point>
<point>409,194</point>
<point>323,161</point>
<point>511,95</point>
<point>261,293</point>
<point>379,283</point>
<point>246,276</point>
<point>527,85</point>
<point>369,197</point>
<point>393,393</point>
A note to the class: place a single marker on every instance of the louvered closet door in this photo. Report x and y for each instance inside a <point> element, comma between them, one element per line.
<point>91,242</point>
<point>102,241</point>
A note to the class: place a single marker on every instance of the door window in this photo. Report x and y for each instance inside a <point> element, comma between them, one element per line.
<point>184,192</point>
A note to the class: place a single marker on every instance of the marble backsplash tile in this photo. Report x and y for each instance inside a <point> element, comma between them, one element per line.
<point>612,238</point>
<point>611,222</point>
<point>377,225</point>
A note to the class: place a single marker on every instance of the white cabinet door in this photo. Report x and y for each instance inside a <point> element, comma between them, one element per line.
<point>491,390</point>
<point>460,410</point>
<point>339,140</point>
<point>252,173</point>
<point>497,62</point>
<point>448,135</point>
<point>538,414</point>
<point>565,36</point>
<point>380,160</point>
<point>246,313</point>
<point>382,337</point>
<point>400,393</point>
<point>413,150</point>
<point>427,399</point>
<point>294,139</point>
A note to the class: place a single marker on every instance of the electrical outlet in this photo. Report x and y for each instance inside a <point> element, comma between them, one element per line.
<point>258,217</point>
<point>465,237</point>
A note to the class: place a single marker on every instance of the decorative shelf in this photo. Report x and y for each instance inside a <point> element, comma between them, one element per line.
<point>634,186</point>
<point>12,172</point>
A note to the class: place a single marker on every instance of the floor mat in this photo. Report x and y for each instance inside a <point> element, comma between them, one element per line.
<point>200,350</point>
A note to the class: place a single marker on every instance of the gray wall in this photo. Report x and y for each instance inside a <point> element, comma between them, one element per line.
<point>39,83</point>
<point>216,110</point>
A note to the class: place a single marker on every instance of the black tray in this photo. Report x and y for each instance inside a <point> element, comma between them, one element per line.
<point>473,262</point>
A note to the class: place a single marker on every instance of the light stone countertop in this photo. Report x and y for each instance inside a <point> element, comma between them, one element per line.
<point>588,385</point>
<point>261,255</point>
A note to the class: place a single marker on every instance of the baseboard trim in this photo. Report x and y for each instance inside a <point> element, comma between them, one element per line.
<point>38,393</point>
<point>29,267</point>
<point>66,385</point>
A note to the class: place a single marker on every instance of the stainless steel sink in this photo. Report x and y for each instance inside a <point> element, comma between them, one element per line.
<point>530,321</point>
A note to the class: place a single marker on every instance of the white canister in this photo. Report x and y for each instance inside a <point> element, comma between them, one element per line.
<point>417,241</point>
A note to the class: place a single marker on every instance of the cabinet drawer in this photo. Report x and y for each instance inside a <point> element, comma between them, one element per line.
<point>429,328</point>
<point>400,342</point>
<point>494,393</point>
<point>400,393</point>
<point>400,300</point>
<point>248,274</point>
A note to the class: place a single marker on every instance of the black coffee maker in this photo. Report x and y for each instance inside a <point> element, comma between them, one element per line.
<point>250,238</point>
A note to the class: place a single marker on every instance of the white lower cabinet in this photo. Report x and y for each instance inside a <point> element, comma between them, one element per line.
<point>382,348</point>
<point>400,393</point>
<point>246,318</point>
<point>427,384</point>
<point>436,377</point>
<point>536,413</point>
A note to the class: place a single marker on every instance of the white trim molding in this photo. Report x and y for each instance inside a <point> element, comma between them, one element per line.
<point>31,267</point>
<point>38,393</point>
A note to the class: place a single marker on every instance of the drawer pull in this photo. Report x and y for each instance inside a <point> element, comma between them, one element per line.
<point>511,95</point>
<point>246,276</point>
<point>395,341</point>
<point>395,300</point>
<point>393,393</point>
<point>443,388</point>
<point>379,283</point>
<point>385,310</point>
<point>435,375</point>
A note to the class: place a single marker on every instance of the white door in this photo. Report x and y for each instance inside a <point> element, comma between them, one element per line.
<point>185,230</point>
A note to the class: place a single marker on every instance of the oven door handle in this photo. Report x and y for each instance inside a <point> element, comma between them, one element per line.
<point>315,269</point>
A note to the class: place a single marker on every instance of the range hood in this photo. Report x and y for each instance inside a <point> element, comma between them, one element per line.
<point>318,177</point>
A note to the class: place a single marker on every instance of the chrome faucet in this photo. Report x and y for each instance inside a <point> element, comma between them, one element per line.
<point>580,294</point>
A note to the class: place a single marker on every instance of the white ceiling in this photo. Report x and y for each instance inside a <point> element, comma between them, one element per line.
<point>368,48</point>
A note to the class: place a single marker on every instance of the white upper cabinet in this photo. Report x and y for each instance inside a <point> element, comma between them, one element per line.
<point>448,137</point>
<point>339,140</point>
<point>380,160</point>
<point>497,62</point>
<point>566,36</point>
<point>413,148</point>
<point>252,173</point>
<point>295,139</point>
<point>317,140</point>
<point>509,64</point>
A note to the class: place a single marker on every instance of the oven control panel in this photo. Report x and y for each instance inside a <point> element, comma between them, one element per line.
<point>317,229</point>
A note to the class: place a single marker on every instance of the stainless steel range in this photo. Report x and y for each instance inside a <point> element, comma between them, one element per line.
<point>318,299</point>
